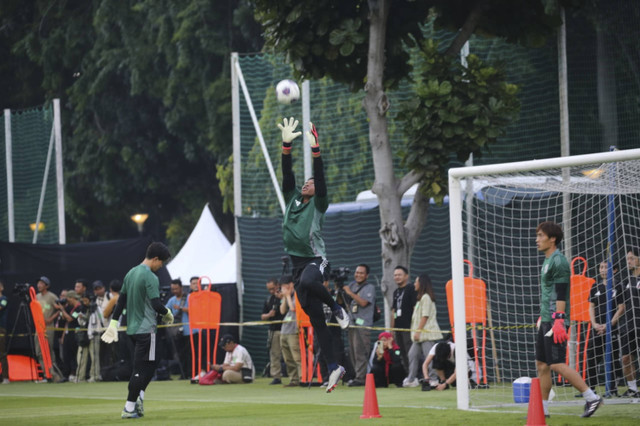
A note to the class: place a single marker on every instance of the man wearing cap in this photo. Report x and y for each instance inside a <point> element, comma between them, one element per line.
<point>236,360</point>
<point>48,301</point>
<point>97,324</point>
<point>385,362</point>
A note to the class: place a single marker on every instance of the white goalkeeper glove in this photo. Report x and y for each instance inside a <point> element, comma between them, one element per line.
<point>168,317</point>
<point>288,128</point>
<point>111,333</point>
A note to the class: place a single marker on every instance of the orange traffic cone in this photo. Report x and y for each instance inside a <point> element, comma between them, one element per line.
<point>370,406</point>
<point>535,417</point>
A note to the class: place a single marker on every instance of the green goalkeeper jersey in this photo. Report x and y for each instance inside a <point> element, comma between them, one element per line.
<point>302,225</point>
<point>140,286</point>
<point>555,269</point>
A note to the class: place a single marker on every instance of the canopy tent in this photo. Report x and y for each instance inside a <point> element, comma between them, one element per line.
<point>207,252</point>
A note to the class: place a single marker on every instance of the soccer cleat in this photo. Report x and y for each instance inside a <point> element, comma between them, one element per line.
<point>343,318</point>
<point>334,378</point>
<point>590,407</point>
<point>630,394</point>
<point>130,414</point>
<point>140,407</point>
<point>406,383</point>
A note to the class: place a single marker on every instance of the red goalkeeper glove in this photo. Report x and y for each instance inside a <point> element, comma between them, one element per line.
<point>312,134</point>
<point>559,330</point>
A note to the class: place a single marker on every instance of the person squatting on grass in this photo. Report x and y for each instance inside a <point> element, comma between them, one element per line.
<point>140,295</point>
<point>302,236</point>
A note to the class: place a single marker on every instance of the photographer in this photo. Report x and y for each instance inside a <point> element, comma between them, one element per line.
<point>48,301</point>
<point>3,335</point>
<point>97,324</point>
<point>180,333</point>
<point>271,312</point>
<point>361,296</point>
<point>385,362</point>
<point>73,313</point>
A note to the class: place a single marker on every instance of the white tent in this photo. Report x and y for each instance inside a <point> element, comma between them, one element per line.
<point>207,252</point>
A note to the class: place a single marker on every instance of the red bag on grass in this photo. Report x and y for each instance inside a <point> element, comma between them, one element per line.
<point>209,378</point>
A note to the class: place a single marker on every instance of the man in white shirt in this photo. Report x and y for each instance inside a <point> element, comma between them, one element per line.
<point>236,360</point>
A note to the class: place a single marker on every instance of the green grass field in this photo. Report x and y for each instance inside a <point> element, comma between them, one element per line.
<point>178,402</point>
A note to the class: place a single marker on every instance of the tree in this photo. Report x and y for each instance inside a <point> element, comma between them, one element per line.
<point>145,88</point>
<point>321,38</point>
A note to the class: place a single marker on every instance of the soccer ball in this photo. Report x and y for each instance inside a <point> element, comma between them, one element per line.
<point>287,92</point>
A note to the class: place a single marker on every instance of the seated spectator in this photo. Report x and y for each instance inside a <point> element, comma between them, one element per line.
<point>385,362</point>
<point>236,360</point>
<point>442,360</point>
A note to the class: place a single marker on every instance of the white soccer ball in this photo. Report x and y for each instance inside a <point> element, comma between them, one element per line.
<point>287,92</point>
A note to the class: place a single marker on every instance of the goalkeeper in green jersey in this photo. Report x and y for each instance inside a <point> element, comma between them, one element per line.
<point>551,342</point>
<point>140,296</point>
<point>302,236</point>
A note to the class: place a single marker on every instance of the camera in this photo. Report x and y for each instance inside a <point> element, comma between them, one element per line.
<point>22,290</point>
<point>165,293</point>
<point>61,301</point>
<point>340,276</point>
<point>93,305</point>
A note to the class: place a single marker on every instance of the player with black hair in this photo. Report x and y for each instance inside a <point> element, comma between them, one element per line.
<point>302,236</point>
<point>140,295</point>
<point>551,342</point>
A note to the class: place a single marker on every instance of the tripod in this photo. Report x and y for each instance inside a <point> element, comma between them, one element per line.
<point>25,314</point>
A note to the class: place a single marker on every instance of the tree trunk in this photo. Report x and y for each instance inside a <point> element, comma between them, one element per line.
<point>397,243</point>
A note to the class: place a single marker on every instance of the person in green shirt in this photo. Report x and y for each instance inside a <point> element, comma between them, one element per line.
<point>140,295</point>
<point>302,236</point>
<point>551,342</point>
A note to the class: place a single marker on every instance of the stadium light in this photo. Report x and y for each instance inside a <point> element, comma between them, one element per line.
<point>139,219</point>
<point>32,226</point>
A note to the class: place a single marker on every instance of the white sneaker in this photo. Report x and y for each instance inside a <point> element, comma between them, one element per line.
<point>343,318</point>
<point>6,382</point>
<point>410,384</point>
<point>334,378</point>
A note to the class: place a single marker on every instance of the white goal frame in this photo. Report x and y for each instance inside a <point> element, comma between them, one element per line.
<point>456,207</point>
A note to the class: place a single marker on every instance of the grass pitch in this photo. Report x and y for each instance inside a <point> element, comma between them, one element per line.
<point>177,402</point>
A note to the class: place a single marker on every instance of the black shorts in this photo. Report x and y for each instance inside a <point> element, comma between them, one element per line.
<point>547,351</point>
<point>145,347</point>
<point>629,340</point>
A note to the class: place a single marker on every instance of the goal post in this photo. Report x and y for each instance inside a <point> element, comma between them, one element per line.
<point>595,198</point>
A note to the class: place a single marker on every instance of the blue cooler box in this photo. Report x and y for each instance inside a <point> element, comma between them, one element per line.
<point>521,389</point>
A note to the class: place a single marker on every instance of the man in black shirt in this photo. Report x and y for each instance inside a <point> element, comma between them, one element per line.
<point>271,312</point>
<point>598,317</point>
<point>630,325</point>
<point>404,300</point>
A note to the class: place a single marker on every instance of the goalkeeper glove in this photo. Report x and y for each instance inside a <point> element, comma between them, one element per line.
<point>168,317</point>
<point>313,140</point>
<point>559,331</point>
<point>288,128</point>
<point>111,333</point>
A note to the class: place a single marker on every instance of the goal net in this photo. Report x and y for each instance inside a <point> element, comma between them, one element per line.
<point>494,213</point>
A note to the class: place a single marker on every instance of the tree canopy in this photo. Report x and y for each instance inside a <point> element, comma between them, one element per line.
<point>146,90</point>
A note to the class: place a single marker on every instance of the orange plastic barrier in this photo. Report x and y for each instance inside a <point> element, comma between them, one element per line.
<point>41,332</point>
<point>204,314</point>
<point>475,301</point>
<point>306,345</point>
<point>579,311</point>
<point>22,368</point>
